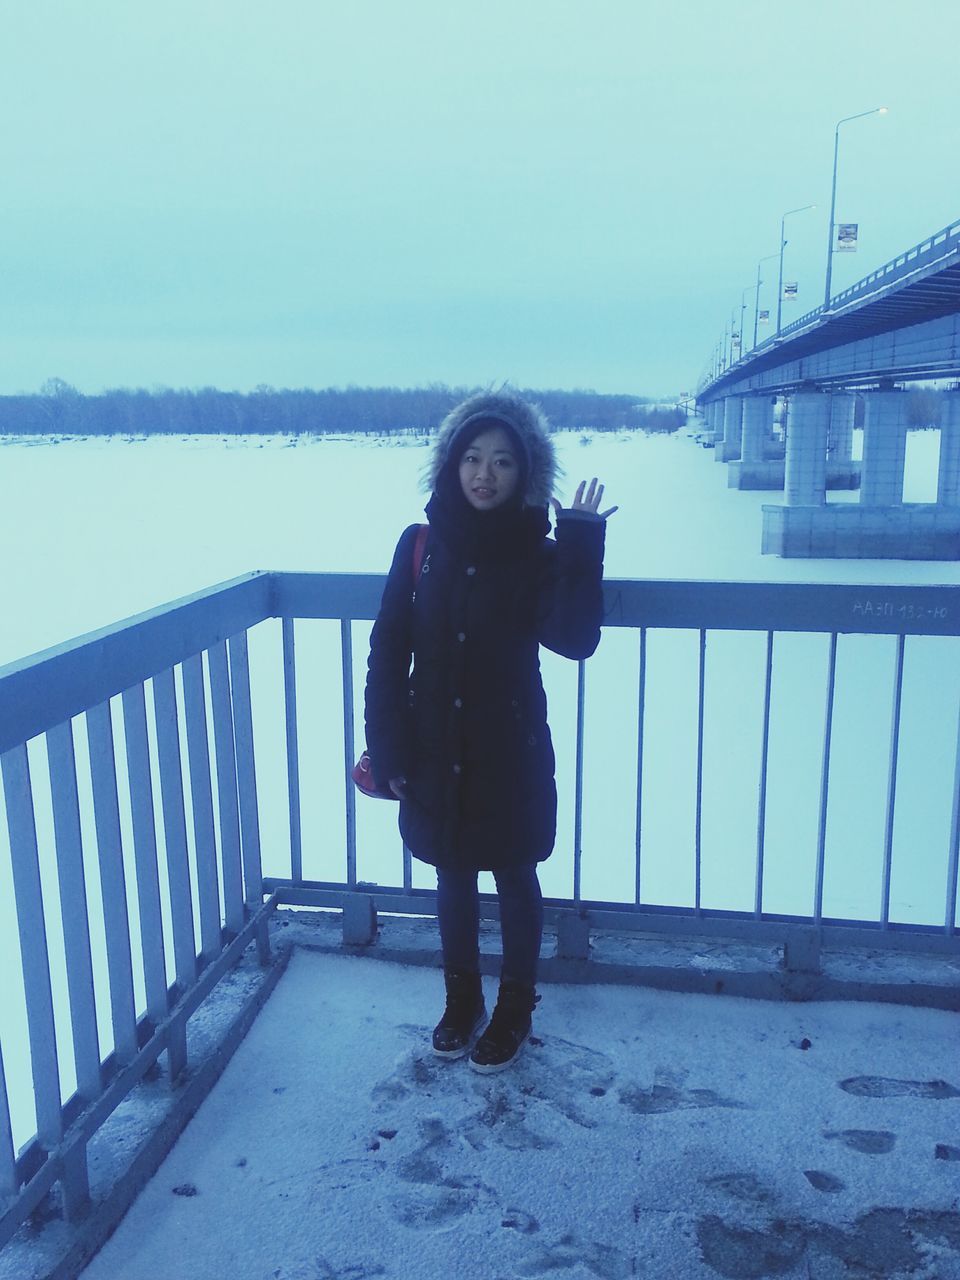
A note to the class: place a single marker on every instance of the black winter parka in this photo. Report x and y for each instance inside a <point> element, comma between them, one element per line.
<point>467,725</point>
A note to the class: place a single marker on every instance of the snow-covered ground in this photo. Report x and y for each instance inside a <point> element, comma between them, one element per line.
<point>643,1133</point>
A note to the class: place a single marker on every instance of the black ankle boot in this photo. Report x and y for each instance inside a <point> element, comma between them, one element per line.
<point>463,1017</point>
<point>509,1028</point>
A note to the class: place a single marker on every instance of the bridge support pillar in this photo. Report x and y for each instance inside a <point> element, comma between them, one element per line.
<point>948,478</point>
<point>842,471</point>
<point>732,430</point>
<point>716,420</point>
<point>710,421</point>
<point>754,469</point>
<point>881,525</point>
<point>808,420</point>
<point>884,448</point>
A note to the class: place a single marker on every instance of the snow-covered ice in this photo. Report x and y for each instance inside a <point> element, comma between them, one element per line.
<point>643,1133</point>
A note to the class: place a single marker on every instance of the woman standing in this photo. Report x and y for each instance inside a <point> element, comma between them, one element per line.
<point>462,738</point>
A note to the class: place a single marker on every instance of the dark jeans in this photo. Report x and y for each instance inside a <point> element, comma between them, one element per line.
<point>521,920</point>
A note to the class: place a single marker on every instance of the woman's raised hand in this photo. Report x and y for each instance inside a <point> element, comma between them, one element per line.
<point>589,501</point>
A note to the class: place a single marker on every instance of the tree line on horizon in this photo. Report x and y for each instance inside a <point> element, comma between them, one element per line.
<point>60,409</point>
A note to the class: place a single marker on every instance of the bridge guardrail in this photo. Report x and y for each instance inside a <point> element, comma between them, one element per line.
<point>931,249</point>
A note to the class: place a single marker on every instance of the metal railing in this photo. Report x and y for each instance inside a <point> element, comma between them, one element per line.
<point>200,896</point>
<point>190,925</point>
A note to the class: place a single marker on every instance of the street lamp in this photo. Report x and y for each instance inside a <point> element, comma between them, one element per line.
<point>743,308</point>
<point>756,308</point>
<point>876,111</point>
<point>783,244</point>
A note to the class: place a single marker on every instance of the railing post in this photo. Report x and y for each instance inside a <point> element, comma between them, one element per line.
<point>201,796</point>
<point>346,667</point>
<point>174,826</point>
<point>113,884</point>
<point>293,749</point>
<point>225,754</point>
<point>9,1182</point>
<point>73,908</point>
<point>825,782</point>
<point>578,791</point>
<point>641,708</point>
<point>145,851</point>
<point>32,931</point>
<point>246,771</point>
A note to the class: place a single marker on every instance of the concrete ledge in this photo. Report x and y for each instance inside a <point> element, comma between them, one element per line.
<point>669,962</point>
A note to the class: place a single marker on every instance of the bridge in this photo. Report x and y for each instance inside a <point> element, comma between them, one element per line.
<point>898,325</point>
<point>156,735</point>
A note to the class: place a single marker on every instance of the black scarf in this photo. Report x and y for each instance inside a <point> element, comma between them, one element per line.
<point>510,531</point>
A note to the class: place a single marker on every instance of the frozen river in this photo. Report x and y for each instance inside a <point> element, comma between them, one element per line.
<point>96,530</point>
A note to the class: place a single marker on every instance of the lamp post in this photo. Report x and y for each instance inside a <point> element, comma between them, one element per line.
<point>783,244</point>
<point>876,111</point>
<point>743,308</point>
<point>756,307</point>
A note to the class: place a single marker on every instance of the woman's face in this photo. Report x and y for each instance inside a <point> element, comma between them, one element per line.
<point>489,470</point>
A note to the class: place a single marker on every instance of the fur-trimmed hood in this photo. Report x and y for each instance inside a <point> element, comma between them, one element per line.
<point>528,423</point>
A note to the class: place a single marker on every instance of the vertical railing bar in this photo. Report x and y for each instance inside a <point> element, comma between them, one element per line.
<point>174,826</point>
<point>9,1182</point>
<point>32,930</point>
<point>74,908</point>
<point>762,797</point>
<point>113,882</point>
<point>201,795</point>
<point>145,851</point>
<point>698,828</point>
<point>293,750</point>
<point>578,791</point>
<point>825,781</point>
<point>407,870</point>
<point>953,860</point>
<point>641,707</point>
<point>892,785</point>
<point>246,770</point>
<point>227,802</point>
<point>346,670</point>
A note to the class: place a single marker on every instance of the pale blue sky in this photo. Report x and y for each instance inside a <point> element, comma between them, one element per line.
<point>559,192</point>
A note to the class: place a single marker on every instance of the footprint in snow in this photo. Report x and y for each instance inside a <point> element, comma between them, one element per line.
<point>884,1087</point>
<point>870,1142</point>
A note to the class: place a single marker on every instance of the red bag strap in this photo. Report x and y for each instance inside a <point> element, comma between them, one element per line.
<point>418,549</point>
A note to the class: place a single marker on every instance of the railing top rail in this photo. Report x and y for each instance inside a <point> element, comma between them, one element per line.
<point>47,688</point>
<point>41,691</point>
<point>678,604</point>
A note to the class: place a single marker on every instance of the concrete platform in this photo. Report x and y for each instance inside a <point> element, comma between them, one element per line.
<point>671,1132</point>
<point>642,1133</point>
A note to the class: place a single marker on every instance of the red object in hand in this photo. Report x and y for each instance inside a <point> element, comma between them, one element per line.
<point>362,774</point>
